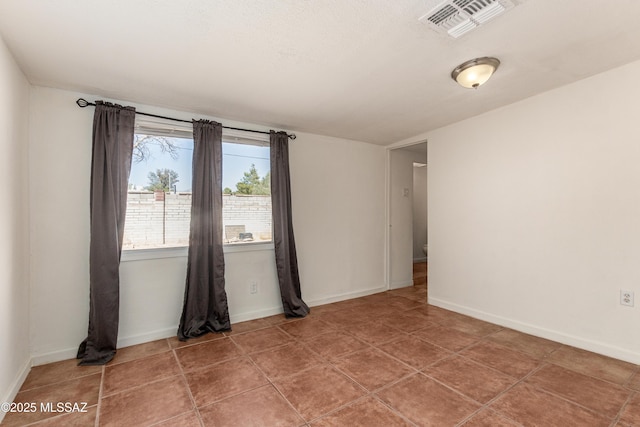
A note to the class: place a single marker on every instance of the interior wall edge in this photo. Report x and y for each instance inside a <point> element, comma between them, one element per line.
<point>14,226</point>
<point>14,388</point>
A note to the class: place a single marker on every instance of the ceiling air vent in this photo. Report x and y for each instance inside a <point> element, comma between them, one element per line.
<point>458,17</point>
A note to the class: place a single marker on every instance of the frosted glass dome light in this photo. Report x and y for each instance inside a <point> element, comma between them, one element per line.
<point>475,72</point>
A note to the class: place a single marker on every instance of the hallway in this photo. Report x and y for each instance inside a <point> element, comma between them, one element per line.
<point>420,273</point>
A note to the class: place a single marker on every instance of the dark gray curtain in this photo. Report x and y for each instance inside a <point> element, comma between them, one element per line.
<point>284,242</point>
<point>205,300</point>
<point>110,166</point>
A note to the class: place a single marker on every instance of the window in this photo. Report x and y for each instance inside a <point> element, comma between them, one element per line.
<point>246,198</point>
<point>159,197</point>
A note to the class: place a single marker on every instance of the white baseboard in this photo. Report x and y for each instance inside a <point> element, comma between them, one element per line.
<point>14,388</point>
<point>148,336</point>
<point>422,259</point>
<point>54,356</point>
<point>553,335</point>
<point>70,353</point>
<point>345,296</point>
<point>401,284</point>
<point>258,314</point>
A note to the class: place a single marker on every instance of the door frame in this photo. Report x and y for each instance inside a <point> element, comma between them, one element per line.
<point>388,174</point>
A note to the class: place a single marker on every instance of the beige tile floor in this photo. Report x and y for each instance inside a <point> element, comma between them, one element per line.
<point>388,359</point>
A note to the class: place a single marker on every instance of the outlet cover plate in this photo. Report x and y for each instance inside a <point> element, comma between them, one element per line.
<point>626,298</point>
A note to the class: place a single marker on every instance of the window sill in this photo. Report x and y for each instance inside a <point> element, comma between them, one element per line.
<point>247,247</point>
<point>183,251</point>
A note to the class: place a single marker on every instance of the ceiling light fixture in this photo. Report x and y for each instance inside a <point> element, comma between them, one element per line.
<point>475,72</point>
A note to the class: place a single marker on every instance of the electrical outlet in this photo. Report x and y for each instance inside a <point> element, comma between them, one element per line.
<point>253,287</point>
<point>626,298</point>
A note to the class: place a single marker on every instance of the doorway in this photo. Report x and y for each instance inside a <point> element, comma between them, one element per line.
<point>407,216</point>
<point>420,218</point>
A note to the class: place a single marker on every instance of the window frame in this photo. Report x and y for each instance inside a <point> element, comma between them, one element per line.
<point>163,128</point>
<point>183,251</point>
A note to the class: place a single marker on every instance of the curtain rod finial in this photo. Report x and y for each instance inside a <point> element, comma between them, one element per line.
<point>292,136</point>
<point>82,102</point>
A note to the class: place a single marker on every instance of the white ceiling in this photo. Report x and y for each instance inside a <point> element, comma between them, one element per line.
<point>360,69</point>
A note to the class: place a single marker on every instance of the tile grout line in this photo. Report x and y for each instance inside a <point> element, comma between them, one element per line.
<point>551,393</point>
<point>610,383</point>
<point>57,382</point>
<point>392,409</point>
<point>97,405</point>
<point>627,383</point>
<point>186,384</point>
<point>100,393</point>
<point>270,382</point>
<point>486,406</point>
<point>542,364</point>
<point>326,362</point>
<point>302,340</point>
<point>244,355</point>
<point>557,349</point>
<point>589,375</point>
<point>372,393</point>
<point>616,419</point>
<point>490,402</point>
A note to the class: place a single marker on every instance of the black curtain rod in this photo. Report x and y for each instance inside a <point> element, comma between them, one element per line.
<point>82,103</point>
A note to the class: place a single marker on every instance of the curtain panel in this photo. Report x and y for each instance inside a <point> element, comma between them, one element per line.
<point>205,300</point>
<point>113,128</point>
<point>282,228</point>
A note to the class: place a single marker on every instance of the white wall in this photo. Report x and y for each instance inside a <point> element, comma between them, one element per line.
<point>338,210</point>
<point>419,211</point>
<point>339,216</point>
<point>14,239</point>
<point>534,214</point>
